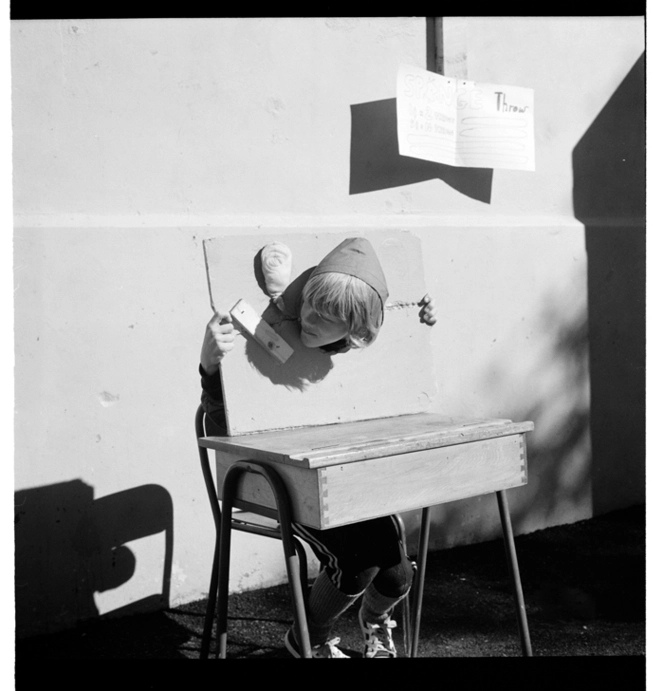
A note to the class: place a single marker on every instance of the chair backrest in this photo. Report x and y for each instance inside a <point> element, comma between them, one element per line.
<point>204,426</point>
<point>200,420</point>
<point>394,376</point>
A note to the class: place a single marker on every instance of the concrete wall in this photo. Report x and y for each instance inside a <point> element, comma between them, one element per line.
<point>136,139</point>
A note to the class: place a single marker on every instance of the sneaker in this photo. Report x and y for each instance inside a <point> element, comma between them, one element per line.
<point>327,649</point>
<point>378,638</point>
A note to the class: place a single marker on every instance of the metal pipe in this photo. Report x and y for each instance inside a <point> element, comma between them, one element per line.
<point>425,526</point>
<point>199,425</point>
<point>405,603</point>
<point>515,578</point>
<point>288,541</point>
<point>228,492</point>
<point>212,602</point>
<point>434,32</point>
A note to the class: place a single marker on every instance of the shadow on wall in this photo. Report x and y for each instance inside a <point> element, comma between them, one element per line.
<point>587,453</point>
<point>550,389</point>
<point>609,199</point>
<point>70,546</point>
<point>555,385</point>
<point>376,164</point>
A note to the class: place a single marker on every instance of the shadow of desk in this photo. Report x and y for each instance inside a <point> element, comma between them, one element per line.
<point>349,472</point>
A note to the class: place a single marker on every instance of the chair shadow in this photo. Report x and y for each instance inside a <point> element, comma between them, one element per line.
<point>69,546</point>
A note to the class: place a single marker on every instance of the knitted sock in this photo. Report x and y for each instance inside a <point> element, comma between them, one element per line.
<point>326,604</point>
<point>376,607</point>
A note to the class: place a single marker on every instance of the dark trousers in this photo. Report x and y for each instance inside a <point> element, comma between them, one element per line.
<point>361,553</point>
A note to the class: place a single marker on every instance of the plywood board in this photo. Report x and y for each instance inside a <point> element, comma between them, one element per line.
<point>394,376</point>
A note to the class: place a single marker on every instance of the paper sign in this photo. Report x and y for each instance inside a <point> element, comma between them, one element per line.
<point>464,123</point>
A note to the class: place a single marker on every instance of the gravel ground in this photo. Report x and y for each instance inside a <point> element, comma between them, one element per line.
<point>584,587</point>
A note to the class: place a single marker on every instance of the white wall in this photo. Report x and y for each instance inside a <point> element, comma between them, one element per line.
<point>136,139</point>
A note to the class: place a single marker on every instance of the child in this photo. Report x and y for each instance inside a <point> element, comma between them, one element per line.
<point>340,306</point>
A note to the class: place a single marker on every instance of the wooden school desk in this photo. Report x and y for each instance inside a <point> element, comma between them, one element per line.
<point>348,472</point>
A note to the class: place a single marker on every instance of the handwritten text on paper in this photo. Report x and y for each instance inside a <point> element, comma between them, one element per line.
<point>464,123</point>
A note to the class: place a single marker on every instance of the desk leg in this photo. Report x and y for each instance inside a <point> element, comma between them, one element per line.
<point>425,526</point>
<point>515,578</point>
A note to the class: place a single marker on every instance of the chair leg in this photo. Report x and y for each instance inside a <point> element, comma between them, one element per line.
<point>513,567</point>
<point>293,553</point>
<point>200,426</point>
<point>224,552</point>
<point>211,603</point>
<point>288,540</point>
<point>425,526</point>
<point>405,602</point>
<point>405,623</point>
<point>214,588</point>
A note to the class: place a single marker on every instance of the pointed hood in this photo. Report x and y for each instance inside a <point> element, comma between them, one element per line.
<point>356,257</point>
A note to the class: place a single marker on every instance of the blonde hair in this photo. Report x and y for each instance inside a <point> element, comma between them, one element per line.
<point>349,299</point>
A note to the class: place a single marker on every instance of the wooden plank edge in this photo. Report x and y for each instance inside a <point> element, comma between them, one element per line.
<point>385,452</point>
<point>421,441</point>
<point>369,450</point>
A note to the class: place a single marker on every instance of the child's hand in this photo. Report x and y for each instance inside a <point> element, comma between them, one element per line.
<point>428,311</point>
<point>219,340</point>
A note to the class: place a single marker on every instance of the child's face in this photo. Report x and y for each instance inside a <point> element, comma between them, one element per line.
<point>318,330</point>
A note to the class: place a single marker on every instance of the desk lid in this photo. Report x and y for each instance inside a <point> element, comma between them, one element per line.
<point>324,445</point>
